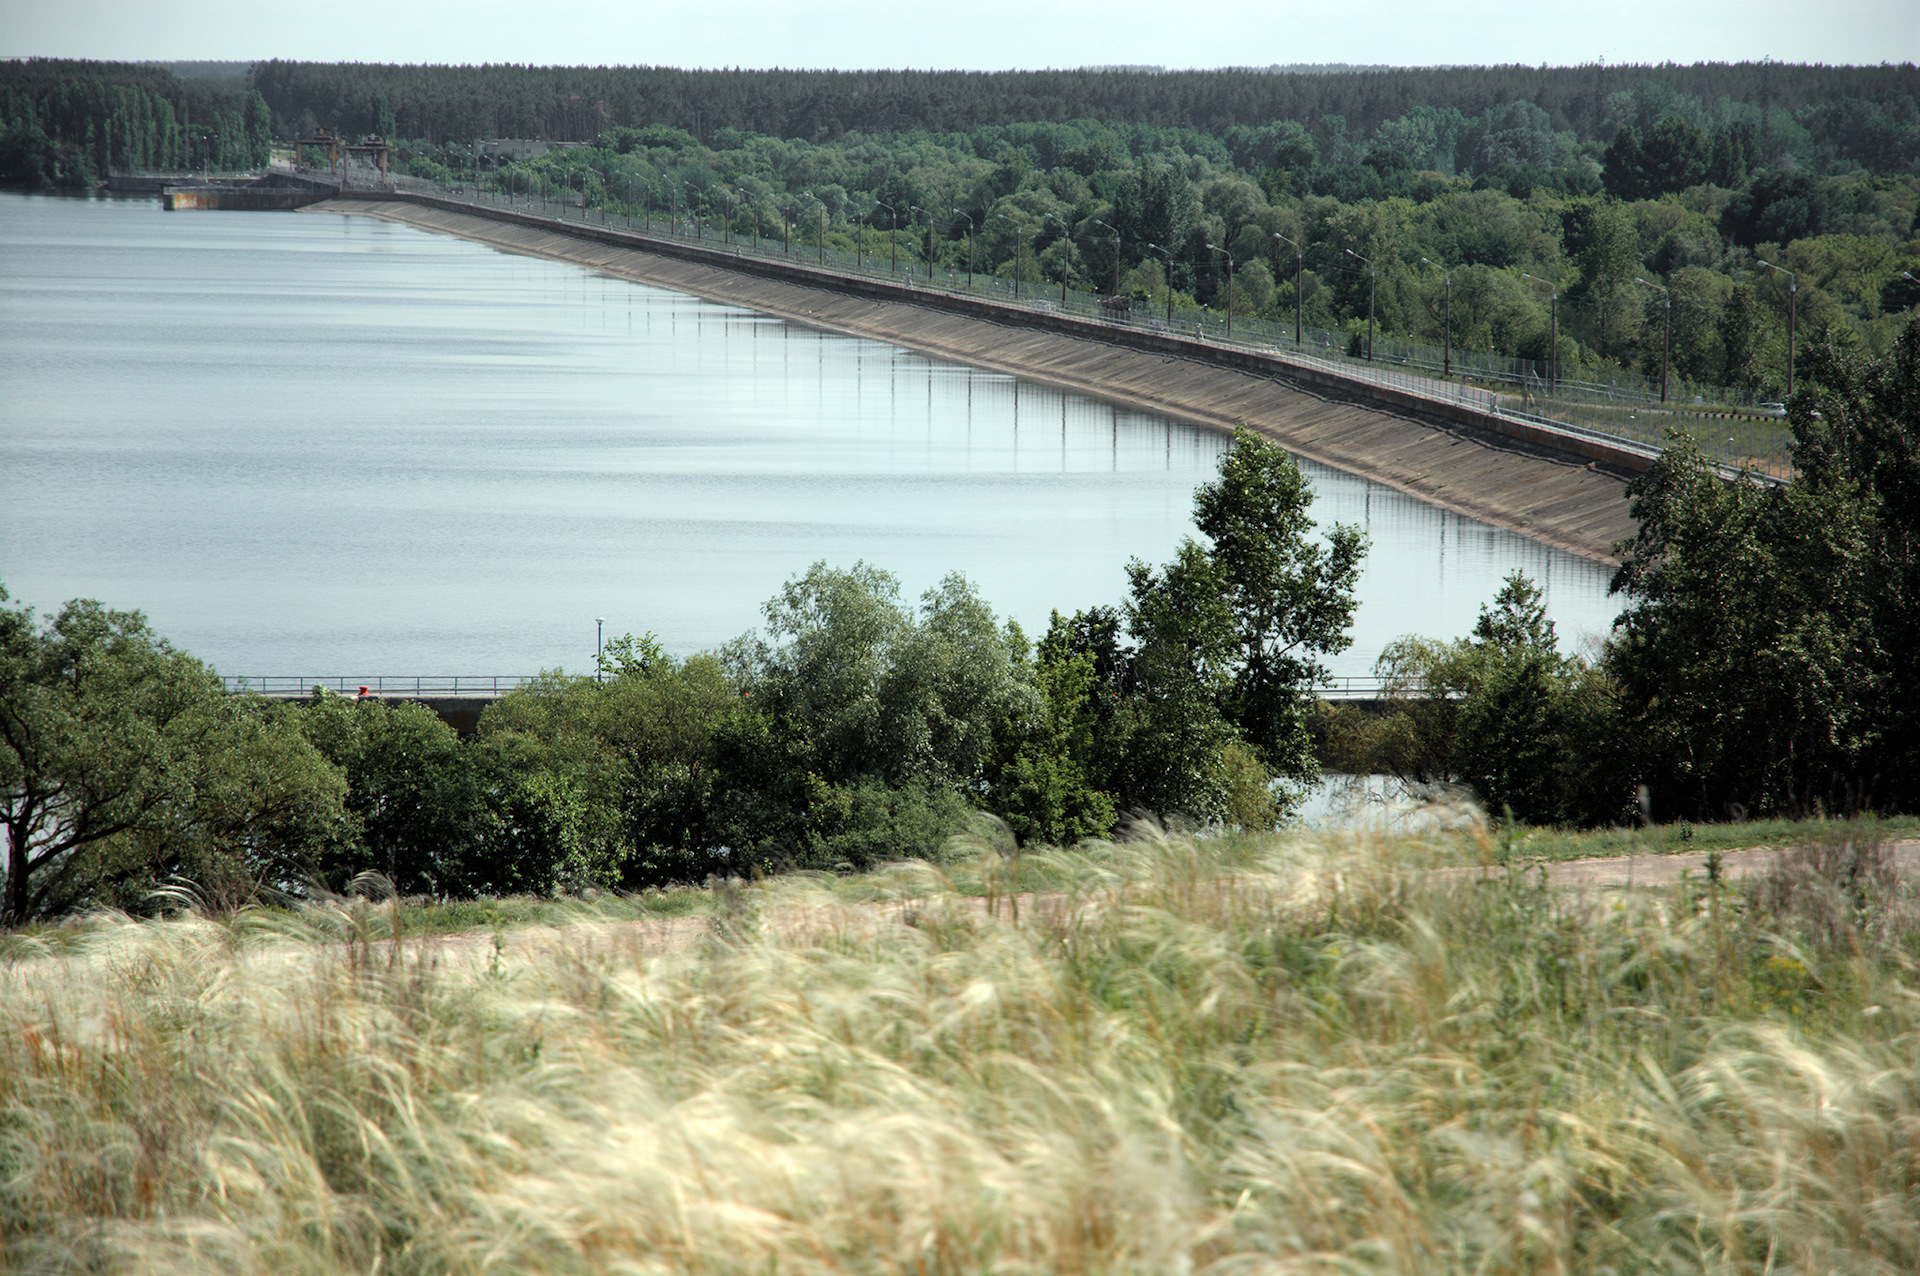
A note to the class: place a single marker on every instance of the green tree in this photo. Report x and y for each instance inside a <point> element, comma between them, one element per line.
<point>1532,733</point>
<point>1041,780</point>
<point>874,691</point>
<point>1606,250</point>
<point>123,761</point>
<point>1858,441</point>
<point>1747,657</point>
<point>420,803</point>
<point>1289,598</point>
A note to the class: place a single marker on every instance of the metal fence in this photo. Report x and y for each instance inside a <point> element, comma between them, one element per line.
<point>1730,428</point>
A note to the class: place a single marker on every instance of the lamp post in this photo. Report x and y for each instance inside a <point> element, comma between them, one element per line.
<point>1116,257</point>
<point>1666,331</point>
<point>915,208</point>
<point>1370,282</point>
<point>599,632</point>
<point>1229,256</point>
<point>1299,260</point>
<point>894,216</point>
<point>1066,255</point>
<point>1169,256</point>
<point>823,234</point>
<point>1446,277</point>
<point>958,213</point>
<point>691,215</point>
<point>1016,251</point>
<point>1793,293</point>
<point>1553,328</point>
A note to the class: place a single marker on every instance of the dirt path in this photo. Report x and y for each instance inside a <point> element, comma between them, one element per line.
<point>801,926</point>
<point>1622,872</point>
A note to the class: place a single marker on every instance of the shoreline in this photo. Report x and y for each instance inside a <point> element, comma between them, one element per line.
<point>1559,501</point>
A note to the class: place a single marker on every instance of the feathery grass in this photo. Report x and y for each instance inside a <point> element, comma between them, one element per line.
<point>1167,1054</point>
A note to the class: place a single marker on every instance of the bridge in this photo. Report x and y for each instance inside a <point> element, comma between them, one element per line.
<point>459,700</point>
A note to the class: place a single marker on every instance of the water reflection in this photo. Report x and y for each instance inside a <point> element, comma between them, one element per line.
<point>326,445</point>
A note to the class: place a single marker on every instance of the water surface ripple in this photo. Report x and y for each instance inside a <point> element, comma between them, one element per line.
<point>315,444</point>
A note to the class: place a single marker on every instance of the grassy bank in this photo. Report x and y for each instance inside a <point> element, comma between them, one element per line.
<point>1231,1055</point>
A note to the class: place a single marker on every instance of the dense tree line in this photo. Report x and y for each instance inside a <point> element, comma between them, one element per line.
<point>70,124</point>
<point>1851,114</point>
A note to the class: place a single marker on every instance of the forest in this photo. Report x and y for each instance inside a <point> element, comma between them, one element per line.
<point>1648,218</point>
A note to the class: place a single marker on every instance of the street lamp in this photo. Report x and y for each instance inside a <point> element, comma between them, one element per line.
<point>1370,283</point>
<point>1793,292</point>
<point>1229,257</point>
<point>894,232</point>
<point>1666,331</point>
<point>915,208</point>
<point>958,213</point>
<point>1066,255</point>
<point>690,213</point>
<point>599,631</point>
<point>1169,256</point>
<point>1116,257</point>
<point>1447,278</point>
<point>1553,328</point>
<point>1299,259</point>
<point>1016,251</point>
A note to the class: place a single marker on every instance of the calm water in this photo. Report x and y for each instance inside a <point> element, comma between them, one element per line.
<point>325,445</point>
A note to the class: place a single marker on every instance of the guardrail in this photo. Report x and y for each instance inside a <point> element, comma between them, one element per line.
<point>1359,689</point>
<point>1738,438</point>
<point>287,686</point>
<point>428,685</point>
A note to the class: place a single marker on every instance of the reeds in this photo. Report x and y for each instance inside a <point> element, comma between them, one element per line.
<point>1167,1054</point>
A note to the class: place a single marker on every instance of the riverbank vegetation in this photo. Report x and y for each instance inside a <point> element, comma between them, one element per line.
<point>1208,1054</point>
<point>1499,209</point>
<point>1764,660</point>
<point>853,729</point>
<point>1763,666</point>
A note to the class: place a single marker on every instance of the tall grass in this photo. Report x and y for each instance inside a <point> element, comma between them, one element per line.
<point>1169,1054</point>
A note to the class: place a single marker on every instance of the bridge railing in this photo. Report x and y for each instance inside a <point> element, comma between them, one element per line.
<point>1344,688</point>
<point>384,685</point>
<point>1367,688</point>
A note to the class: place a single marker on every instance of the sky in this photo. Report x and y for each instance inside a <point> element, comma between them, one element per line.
<point>980,35</point>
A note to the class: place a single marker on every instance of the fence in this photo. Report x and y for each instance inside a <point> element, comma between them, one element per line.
<point>1734,432</point>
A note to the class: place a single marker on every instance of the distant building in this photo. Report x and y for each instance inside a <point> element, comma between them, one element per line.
<point>507,150</point>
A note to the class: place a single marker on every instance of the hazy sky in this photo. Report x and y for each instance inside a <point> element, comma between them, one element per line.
<point>985,35</point>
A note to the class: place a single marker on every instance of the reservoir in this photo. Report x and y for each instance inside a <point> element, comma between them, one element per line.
<point>323,445</point>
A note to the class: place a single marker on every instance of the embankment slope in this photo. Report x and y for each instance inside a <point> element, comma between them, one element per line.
<point>1557,500</point>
